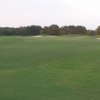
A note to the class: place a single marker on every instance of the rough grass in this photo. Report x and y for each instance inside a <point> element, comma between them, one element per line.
<point>49,68</point>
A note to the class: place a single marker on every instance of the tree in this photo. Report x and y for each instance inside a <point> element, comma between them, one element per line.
<point>91,32</point>
<point>81,30</point>
<point>33,30</point>
<point>6,31</point>
<point>53,30</point>
<point>98,30</point>
<point>29,30</point>
<point>64,30</point>
<point>76,30</point>
<point>72,29</point>
<point>45,30</point>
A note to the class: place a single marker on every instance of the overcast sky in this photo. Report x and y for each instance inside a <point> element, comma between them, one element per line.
<point>14,13</point>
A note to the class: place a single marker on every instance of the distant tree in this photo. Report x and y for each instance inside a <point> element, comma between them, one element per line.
<point>45,30</point>
<point>21,31</point>
<point>53,30</point>
<point>33,30</point>
<point>64,30</point>
<point>76,30</point>
<point>72,29</point>
<point>81,30</point>
<point>98,30</point>
<point>29,30</point>
<point>91,32</point>
<point>6,31</point>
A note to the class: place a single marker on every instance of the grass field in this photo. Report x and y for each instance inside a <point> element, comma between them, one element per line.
<point>49,68</point>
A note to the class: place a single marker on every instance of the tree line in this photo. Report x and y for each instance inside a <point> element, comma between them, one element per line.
<point>47,30</point>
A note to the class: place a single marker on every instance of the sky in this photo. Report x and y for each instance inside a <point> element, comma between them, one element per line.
<point>15,13</point>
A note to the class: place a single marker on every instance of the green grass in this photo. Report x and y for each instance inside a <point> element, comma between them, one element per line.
<point>49,68</point>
